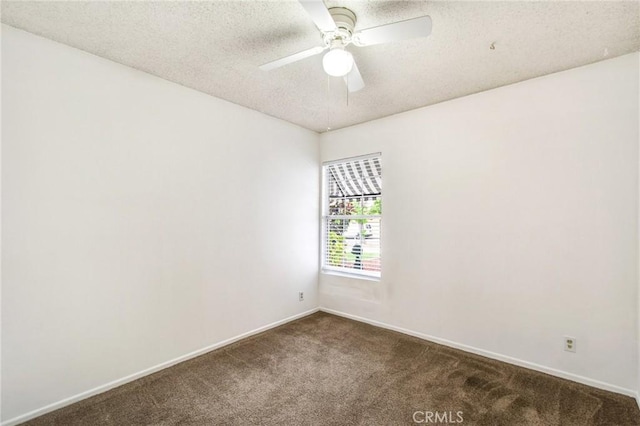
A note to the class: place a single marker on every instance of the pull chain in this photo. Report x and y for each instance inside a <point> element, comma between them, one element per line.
<point>347,78</point>
<point>328,102</point>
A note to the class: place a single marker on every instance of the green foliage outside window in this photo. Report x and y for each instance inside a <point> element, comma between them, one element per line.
<point>336,249</point>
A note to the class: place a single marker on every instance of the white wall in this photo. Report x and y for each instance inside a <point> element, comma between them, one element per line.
<point>510,219</point>
<point>142,221</point>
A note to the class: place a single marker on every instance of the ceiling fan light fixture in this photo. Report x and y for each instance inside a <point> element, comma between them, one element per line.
<point>337,62</point>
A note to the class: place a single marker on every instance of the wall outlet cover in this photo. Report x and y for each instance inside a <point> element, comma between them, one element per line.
<point>569,344</point>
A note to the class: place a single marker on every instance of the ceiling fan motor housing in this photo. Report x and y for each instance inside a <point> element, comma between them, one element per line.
<point>344,18</point>
<point>345,22</point>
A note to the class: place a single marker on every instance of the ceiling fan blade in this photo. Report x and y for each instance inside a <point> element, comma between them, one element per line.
<point>403,30</point>
<point>354,80</point>
<point>319,14</point>
<point>292,58</point>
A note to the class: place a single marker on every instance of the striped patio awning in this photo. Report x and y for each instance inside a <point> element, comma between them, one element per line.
<point>355,178</point>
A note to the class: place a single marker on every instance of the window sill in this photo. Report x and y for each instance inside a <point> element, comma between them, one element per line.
<point>350,275</point>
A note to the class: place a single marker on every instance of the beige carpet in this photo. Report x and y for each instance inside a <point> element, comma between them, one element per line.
<point>327,370</point>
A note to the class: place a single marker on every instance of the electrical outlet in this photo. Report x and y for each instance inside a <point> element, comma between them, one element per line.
<point>569,344</point>
<point>301,296</point>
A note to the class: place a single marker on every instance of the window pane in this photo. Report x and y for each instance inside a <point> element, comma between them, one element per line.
<point>353,244</point>
<point>354,190</point>
<point>363,247</point>
<point>346,206</point>
<point>372,205</point>
<point>335,242</point>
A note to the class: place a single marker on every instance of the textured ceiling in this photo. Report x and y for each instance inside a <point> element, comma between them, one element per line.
<point>216,48</point>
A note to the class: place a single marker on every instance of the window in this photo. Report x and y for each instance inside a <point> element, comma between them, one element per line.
<point>352,214</point>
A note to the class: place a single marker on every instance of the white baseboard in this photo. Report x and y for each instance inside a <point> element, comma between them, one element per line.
<point>521,363</point>
<point>119,382</point>
<point>637,396</point>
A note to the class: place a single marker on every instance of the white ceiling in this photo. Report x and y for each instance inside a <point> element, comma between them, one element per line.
<point>216,47</point>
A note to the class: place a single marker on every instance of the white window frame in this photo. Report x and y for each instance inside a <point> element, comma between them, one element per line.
<point>334,270</point>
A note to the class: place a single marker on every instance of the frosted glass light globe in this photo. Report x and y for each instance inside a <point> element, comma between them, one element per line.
<point>337,62</point>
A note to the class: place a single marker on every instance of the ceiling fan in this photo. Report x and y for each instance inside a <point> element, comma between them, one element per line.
<point>337,26</point>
